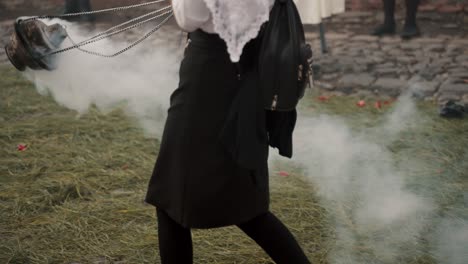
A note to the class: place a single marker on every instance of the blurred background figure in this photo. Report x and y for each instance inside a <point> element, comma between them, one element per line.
<point>410,28</point>
<point>77,6</point>
<point>313,11</point>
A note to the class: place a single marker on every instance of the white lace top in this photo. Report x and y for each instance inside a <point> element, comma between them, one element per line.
<point>235,21</point>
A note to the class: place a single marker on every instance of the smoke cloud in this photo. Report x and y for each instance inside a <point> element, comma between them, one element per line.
<point>377,217</point>
<point>139,80</point>
<point>450,241</point>
<point>370,204</point>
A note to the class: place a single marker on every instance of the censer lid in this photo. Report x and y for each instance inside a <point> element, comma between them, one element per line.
<point>31,43</point>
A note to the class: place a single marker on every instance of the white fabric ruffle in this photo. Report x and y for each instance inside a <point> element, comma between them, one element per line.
<point>313,11</point>
<point>238,21</point>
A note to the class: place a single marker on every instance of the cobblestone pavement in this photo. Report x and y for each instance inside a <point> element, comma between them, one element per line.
<point>434,66</point>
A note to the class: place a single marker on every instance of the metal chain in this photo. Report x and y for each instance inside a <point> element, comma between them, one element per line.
<point>115,9</point>
<point>106,33</point>
<point>130,21</point>
<point>125,49</point>
<point>84,43</point>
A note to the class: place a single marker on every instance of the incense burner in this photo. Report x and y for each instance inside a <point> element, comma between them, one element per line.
<point>32,42</point>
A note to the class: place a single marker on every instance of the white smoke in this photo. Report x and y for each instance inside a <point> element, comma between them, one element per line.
<point>450,241</point>
<point>401,118</point>
<point>377,218</point>
<point>359,184</point>
<point>140,80</point>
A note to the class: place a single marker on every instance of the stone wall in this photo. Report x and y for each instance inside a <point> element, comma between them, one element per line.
<point>47,4</point>
<point>16,6</point>
<point>13,8</point>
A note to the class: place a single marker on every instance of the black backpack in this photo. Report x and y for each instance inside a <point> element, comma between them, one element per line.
<point>284,61</point>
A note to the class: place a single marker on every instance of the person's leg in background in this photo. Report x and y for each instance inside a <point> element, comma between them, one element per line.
<point>275,238</point>
<point>175,241</point>
<point>411,29</point>
<point>388,27</point>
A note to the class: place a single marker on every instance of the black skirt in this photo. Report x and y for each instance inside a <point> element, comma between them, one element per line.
<point>195,179</point>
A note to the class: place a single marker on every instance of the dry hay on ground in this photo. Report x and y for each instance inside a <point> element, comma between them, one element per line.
<point>75,195</point>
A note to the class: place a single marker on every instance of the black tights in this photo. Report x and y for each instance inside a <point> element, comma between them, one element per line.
<point>175,241</point>
<point>411,9</point>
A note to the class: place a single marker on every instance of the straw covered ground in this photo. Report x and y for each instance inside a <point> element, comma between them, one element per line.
<point>74,194</point>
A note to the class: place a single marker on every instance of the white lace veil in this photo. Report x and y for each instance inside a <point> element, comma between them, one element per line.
<point>238,21</point>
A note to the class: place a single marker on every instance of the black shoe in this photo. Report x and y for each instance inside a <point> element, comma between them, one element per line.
<point>384,29</point>
<point>410,31</point>
<point>451,109</point>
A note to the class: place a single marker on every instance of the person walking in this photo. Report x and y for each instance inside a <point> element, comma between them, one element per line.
<point>196,183</point>
<point>410,28</point>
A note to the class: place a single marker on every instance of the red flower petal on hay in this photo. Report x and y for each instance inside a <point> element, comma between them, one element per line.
<point>323,98</point>
<point>283,174</point>
<point>22,147</point>
<point>378,105</point>
<point>361,103</point>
